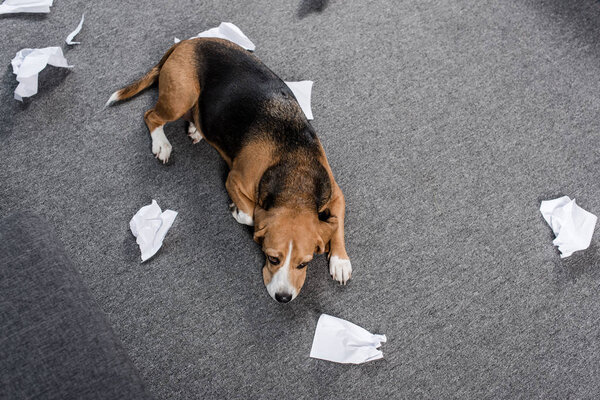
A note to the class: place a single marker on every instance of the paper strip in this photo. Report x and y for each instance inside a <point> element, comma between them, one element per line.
<point>69,38</point>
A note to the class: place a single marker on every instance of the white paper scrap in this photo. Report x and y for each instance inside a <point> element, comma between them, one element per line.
<point>150,226</point>
<point>25,6</point>
<point>28,63</point>
<point>302,90</point>
<point>572,225</point>
<point>228,31</point>
<point>69,38</point>
<point>341,341</point>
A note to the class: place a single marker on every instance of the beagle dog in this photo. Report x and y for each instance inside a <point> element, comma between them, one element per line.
<point>279,181</point>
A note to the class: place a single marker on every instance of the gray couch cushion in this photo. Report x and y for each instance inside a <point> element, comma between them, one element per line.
<point>55,343</point>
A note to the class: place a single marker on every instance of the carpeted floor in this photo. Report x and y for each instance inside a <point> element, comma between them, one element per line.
<point>445,122</point>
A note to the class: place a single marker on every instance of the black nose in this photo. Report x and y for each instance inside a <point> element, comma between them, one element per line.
<point>283,298</point>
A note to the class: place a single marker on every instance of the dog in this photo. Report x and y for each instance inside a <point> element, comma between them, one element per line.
<point>279,180</point>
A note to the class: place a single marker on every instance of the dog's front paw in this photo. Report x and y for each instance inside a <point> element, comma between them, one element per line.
<point>194,134</point>
<point>340,269</point>
<point>240,216</point>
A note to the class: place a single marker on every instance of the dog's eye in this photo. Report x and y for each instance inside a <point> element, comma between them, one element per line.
<point>303,265</point>
<point>273,260</point>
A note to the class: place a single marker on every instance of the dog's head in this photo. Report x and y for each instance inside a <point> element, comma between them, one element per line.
<point>289,239</point>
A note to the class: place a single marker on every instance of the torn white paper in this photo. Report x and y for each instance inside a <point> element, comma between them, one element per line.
<point>69,38</point>
<point>150,226</point>
<point>302,91</point>
<point>28,63</point>
<point>341,341</point>
<point>228,31</point>
<point>25,6</point>
<point>572,225</point>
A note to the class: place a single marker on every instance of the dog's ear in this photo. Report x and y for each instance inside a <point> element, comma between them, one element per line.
<point>270,186</point>
<point>328,224</point>
<point>260,225</point>
<point>259,234</point>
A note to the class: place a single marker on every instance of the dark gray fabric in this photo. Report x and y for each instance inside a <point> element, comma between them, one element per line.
<point>445,123</point>
<point>54,341</point>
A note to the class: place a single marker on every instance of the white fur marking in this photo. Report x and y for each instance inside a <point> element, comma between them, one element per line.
<point>280,282</point>
<point>340,269</point>
<point>113,98</point>
<point>194,134</point>
<point>240,216</point>
<point>161,147</point>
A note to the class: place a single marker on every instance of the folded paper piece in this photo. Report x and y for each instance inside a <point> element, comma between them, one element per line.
<point>302,91</point>
<point>28,63</point>
<point>25,6</point>
<point>150,226</point>
<point>69,38</point>
<point>341,341</point>
<point>572,225</point>
<point>228,31</point>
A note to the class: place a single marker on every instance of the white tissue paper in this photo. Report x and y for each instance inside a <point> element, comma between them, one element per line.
<point>69,38</point>
<point>150,225</point>
<point>302,91</point>
<point>228,31</point>
<point>341,341</point>
<point>571,224</point>
<point>25,6</point>
<point>28,63</point>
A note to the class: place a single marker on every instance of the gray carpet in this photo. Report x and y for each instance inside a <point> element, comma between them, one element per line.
<point>445,122</point>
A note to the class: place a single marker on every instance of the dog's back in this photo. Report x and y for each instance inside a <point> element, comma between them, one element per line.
<point>241,100</point>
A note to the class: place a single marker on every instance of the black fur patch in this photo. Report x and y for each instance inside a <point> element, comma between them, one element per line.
<point>271,185</point>
<point>234,88</point>
<point>287,182</point>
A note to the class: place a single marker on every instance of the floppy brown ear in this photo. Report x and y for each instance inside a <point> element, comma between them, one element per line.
<point>325,231</point>
<point>260,225</point>
<point>259,235</point>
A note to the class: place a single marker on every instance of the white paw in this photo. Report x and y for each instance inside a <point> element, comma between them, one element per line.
<point>194,134</point>
<point>240,216</point>
<point>340,269</point>
<point>161,147</point>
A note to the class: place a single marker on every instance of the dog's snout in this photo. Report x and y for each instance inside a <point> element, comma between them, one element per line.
<point>283,297</point>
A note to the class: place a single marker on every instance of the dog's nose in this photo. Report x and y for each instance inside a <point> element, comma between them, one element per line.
<point>283,297</point>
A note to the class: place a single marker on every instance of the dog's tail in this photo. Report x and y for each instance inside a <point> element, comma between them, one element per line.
<point>142,83</point>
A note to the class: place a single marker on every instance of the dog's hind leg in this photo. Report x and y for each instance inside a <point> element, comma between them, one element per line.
<point>192,116</point>
<point>194,131</point>
<point>178,91</point>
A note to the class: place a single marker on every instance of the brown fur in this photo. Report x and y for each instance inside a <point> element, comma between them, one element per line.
<point>178,87</point>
